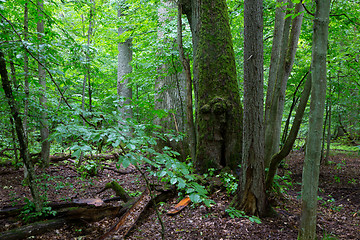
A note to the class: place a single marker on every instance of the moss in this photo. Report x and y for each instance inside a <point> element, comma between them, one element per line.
<point>205,108</point>
<point>219,118</point>
<point>119,190</point>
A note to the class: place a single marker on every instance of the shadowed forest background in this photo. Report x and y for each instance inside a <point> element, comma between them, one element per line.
<point>179,119</point>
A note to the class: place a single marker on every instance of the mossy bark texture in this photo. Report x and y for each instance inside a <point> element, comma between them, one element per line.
<point>218,106</point>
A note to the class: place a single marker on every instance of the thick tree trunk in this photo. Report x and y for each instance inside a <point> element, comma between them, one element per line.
<point>309,191</point>
<point>44,125</point>
<point>217,99</point>
<point>170,87</point>
<point>251,196</point>
<point>24,153</point>
<point>191,132</point>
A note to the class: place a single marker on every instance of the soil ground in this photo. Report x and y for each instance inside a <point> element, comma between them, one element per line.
<point>338,205</point>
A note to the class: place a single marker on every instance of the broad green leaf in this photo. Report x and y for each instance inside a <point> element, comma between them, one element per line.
<point>195,197</point>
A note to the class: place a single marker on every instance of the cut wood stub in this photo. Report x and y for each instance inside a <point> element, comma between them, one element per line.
<point>180,206</point>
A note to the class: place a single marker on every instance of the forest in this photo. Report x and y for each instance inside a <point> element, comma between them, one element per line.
<point>179,119</point>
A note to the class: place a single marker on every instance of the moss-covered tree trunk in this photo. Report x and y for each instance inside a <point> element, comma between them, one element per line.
<point>219,110</point>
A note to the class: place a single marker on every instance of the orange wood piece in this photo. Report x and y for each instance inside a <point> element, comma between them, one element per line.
<point>180,206</point>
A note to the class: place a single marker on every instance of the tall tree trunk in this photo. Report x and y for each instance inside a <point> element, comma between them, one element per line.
<point>310,182</point>
<point>88,58</point>
<point>15,85</point>
<point>170,86</point>
<point>26,71</point>
<point>286,57</point>
<point>124,89</point>
<point>251,195</point>
<point>44,125</point>
<point>24,153</point>
<point>217,98</point>
<point>191,132</point>
<point>288,144</point>
<point>83,93</point>
<point>26,80</point>
<point>275,54</point>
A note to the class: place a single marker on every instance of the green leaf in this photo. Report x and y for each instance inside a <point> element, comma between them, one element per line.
<point>195,197</point>
<point>181,183</point>
<point>76,153</point>
<point>173,180</point>
<point>162,173</point>
<point>255,219</point>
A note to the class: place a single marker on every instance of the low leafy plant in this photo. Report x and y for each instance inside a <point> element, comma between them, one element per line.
<point>89,168</point>
<point>29,214</point>
<point>282,183</point>
<point>230,182</point>
<point>234,213</point>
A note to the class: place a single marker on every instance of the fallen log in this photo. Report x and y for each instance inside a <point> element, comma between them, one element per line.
<point>32,229</point>
<point>88,212</point>
<point>62,157</point>
<point>128,220</point>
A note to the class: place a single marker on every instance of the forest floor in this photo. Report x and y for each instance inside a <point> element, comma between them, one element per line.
<point>338,205</point>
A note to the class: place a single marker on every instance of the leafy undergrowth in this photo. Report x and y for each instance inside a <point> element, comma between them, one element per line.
<point>338,212</point>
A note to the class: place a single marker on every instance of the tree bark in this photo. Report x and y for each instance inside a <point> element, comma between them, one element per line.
<point>24,153</point>
<point>170,86</point>
<point>44,125</point>
<point>328,140</point>
<point>26,71</point>
<point>217,98</point>
<point>124,89</point>
<point>191,132</point>
<point>88,58</point>
<point>289,42</point>
<point>275,53</point>
<point>318,95</point>
<point>285,150</point>
<point>251,196</point>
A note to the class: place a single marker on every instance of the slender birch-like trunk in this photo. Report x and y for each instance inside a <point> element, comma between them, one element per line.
<point>310,178</point>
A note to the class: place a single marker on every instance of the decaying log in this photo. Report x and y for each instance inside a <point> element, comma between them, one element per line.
<point>128,220</point>
<point>32,229</point>
<point>88,212</point>
<point>63,157</point>
<point>118,189</point>
<point>144,202</point>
